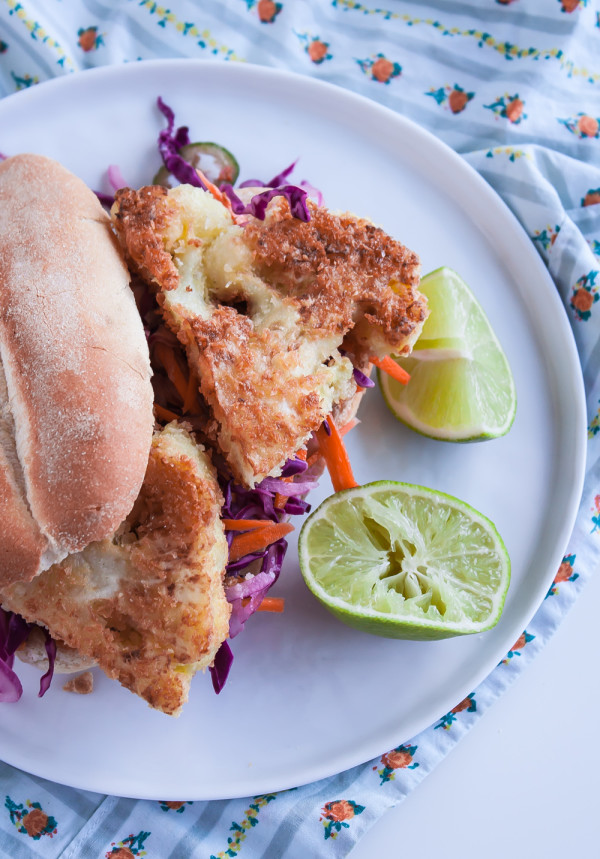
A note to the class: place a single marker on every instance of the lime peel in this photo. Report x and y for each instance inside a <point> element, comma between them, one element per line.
<point>461,386</point>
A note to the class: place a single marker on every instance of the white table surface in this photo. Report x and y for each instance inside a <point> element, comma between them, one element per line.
<point>525,781</point>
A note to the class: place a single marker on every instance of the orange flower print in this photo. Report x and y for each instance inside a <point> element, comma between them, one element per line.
<point>30,819</point>
<point>335,814</point>
<point>380,68</point>
<point>399,758</point>
<point>466,704</point>
<point>582,125</point>
<point>340,810</point>
<point>582,300</point>
<point>455,97</point>
<point>509,107</point>
<point>316,49</point>
<point>571,5</point>
<point>36,822</point>
<point>584,295</point>
<point>170,805</point>
<point>89,39</point>
<point>131,846</point>
<point>518,646</point>
<point>514,110</point>
<point>268,10</point>
<point>592,197</point>
<point>588,126</point>
<point>469,704</point>
<point>458,99</point>
<point>565,573</point>
<point>383,70</point>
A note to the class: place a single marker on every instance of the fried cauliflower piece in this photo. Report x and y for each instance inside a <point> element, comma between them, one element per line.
<point>263,308</point>
<point>149,604</point>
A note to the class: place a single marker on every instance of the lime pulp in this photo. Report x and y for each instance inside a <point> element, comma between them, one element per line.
<point>404,561</point>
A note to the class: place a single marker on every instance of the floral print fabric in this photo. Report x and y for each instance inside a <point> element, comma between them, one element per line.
<point>512,85</point>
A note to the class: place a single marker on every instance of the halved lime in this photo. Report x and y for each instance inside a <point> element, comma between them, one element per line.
<point>404,561</point>
<point>461,386</point>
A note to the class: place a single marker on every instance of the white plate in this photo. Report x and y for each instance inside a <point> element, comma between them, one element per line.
<point>307,696</point>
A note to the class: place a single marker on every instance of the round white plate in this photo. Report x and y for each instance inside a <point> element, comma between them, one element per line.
<point>307,696</point>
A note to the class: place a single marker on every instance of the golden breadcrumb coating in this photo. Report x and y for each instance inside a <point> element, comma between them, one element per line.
<point>149,604</point>
<point>263,308</point>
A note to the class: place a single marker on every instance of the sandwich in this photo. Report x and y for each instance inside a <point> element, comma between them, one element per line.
<point>111,537</point>
<point>140,435</point>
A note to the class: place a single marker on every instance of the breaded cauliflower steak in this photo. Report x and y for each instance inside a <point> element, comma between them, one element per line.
<point>148,605</point>
<point>263,308</point>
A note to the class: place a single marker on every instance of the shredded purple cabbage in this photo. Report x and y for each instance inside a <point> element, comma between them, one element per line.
<point>246,595</point>
<point>10,685</point>
<point>170,141</point>
<point>106,199</point>
<point>17,631</point>
<point>296,507</point>
<point>257,206</point>
<point>14,630</point>
<point>219,670</point>
<point>282,487</point>
<point>313,192</point>
<point>242,563</point>
<point>274,182</point>
<point>278,180</point>
<point>294,466</point>
<point>246,584</point>
<point>362,380</point>
<point>115,177</point>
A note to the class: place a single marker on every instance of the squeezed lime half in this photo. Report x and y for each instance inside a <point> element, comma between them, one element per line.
<point>461,386</point>
<point>405,561</point>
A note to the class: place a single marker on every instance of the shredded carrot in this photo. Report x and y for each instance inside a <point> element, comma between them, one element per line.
<point>167,358</point>
<point>268,604</point>
<point>272,604</point>
<point>244,524</point>
<point>301,454</point>
<point>389,366</point>
<point>258,539</point>
<point>336,456</point>
<point>216,192</point>
<point>165,414</point>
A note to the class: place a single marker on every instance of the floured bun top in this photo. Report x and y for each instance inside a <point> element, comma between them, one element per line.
<point>75,395</point>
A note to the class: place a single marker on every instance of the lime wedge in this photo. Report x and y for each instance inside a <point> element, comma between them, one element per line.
<point>404,561</point>
<point>461,386</point>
